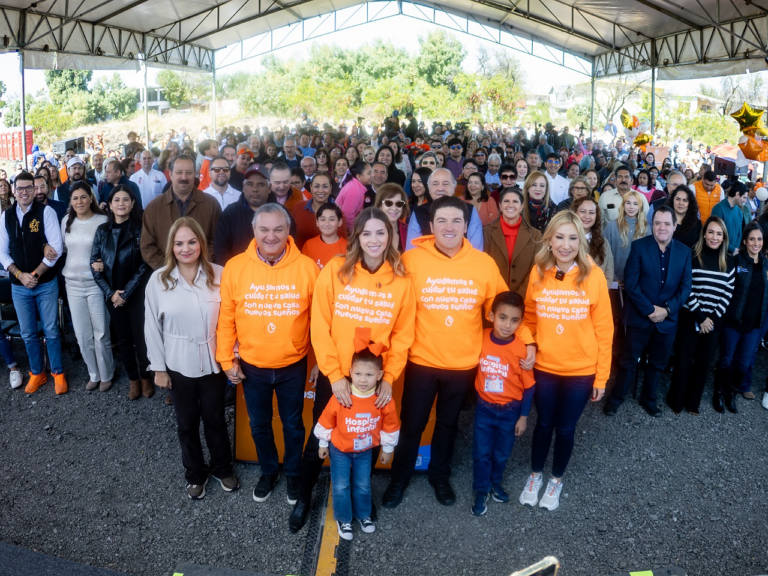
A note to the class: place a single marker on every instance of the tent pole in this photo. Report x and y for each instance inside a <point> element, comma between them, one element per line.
<point>23,112</point>
<point>653,100</point>
<point>146,107</point>
<point>213,100</point>
<point>592,111</point>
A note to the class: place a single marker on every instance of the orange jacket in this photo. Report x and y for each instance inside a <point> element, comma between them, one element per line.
<point>706,201</point>
<point>452,296</point>
<point>360,427</point>
<point>381,301</point>
<point>573,326</point>
<point>265,308</point>
<point>500,380</point>
<point>205,174</point>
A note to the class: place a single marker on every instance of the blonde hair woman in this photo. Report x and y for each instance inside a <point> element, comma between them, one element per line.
<point>181,312</point>
<point>538,209</point>
<point>573,361</point>
<point>631,224</point>
<point>371,269</point>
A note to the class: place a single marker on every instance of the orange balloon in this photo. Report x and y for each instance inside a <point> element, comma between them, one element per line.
<point>752,149</point>
<point>635,122</point>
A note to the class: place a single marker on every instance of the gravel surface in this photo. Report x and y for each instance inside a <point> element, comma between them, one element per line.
<point>94,478</point>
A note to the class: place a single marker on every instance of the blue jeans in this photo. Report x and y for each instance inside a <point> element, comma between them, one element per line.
<point>7,352</point>
<point>738,351</point>
<point>560,400</point>
<point>43,299</point>
<point>351,484</point>
<point>493,440</point>
<point>287,383</point>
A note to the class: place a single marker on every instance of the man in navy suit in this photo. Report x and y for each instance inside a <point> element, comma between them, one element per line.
<point>657,280</point>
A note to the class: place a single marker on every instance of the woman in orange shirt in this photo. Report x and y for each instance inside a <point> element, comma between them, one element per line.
<point>568,310</point>
<point>368,288</point>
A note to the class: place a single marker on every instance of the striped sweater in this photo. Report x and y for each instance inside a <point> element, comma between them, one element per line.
<point>711,289</point>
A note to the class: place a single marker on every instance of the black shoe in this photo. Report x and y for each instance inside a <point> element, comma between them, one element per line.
<point>654,411</point>
<point>374,513</point>
<point>292,489</point>
<point>230,396</point>
<point>443,492</point>
<point>298,516</point>
<point>610,409</point>
<point>721,381</point>
<point>394,493</point>
<point>264,487</point>
<point>729,399</point>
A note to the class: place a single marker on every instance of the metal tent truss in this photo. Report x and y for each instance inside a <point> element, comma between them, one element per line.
<point>496,31</point>
<point>737,40</point>
<point>39,33</point>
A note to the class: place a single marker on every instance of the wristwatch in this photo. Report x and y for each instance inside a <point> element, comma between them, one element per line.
<point>36,275</point>
<point>669,312</point>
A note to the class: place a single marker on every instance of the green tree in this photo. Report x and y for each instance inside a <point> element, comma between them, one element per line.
<point>12,116</point>
<point>63,83</point>
<point>176,89</point>
<point>111,98</point>
<point>440,58</point>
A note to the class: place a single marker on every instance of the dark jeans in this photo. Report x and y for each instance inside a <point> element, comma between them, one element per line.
<point>287,384</point>
<point>195,399</point>
<point>494,438</point>
<point>738,351</point>
<point>422,385</point>
<point>560,401</point>
<point>659,347</point>
<point>693,357</point>
<point>311,464</point>
<point>617,298</point>
<point>128,322</point>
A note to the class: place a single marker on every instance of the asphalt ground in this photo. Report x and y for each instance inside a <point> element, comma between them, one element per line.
<point>97,479</point>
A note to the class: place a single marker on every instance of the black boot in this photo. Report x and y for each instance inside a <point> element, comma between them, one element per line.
<point>721,382</point>
<point>732,390</point>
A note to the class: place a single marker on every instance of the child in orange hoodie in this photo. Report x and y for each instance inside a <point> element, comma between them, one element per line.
<point>351,435</point>
<point>504,397</point>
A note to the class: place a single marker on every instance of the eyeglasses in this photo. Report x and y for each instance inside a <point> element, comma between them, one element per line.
<point>553,161</point>
<point>25,188</point>
<point>217,170</point>
<point>390,203</point>
<point>456,147</point>
<point>580,188</point>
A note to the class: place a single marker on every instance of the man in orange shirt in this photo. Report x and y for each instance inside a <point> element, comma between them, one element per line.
<point>266,294</point>
<point>708,194</point>
<point>455,285</point>
<point>280,182</point>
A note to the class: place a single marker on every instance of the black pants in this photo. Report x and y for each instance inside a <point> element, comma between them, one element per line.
<point>195,399</point>
<point>694,352</point>
<point>658,346</point>
<point>128,321</point>
<point>617,307</point>
<point>422,385</point>
<point>311,464</point>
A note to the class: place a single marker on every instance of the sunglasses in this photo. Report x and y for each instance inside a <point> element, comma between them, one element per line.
<point>480,154</point>
<point>217,170</point>
<point>455,147</point>
<point>390,203</point>
<point>507,176</point>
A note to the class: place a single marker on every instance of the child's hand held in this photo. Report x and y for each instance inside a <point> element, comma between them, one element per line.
<point>323,453</point>
<point>386,457</point>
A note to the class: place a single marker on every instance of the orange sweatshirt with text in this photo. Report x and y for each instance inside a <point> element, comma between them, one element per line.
<point>573,325</point>
<point>380,301</point>
<point>452,297</point>
<point>500,380</point>
<point>360,427</point>
<point>265,309</point>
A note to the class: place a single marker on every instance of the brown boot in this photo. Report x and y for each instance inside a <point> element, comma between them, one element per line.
<point>147,388</point>
<point>134,391</point>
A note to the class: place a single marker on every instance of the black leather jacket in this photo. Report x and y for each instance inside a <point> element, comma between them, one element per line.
<point>105,248</point>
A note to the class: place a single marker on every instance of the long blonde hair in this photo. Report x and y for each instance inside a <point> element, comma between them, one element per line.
<point>532,177</point>
<point>545,259</point>
<point>169,283</point>
<point>722,252</point>
<point>641,228</point>
<point>355,251</point>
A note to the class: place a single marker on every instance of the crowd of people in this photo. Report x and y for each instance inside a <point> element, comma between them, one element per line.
<point>498,268</point>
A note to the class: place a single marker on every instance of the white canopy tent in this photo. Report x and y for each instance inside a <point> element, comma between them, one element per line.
<point>674,39</point>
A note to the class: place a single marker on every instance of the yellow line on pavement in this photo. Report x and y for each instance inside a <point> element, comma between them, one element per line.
<point>326,561</point>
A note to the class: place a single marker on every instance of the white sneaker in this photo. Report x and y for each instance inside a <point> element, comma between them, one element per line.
<point>551,498</point>
<point>530,494</point>
<point>345,530</point>
<point>367,525</point>
<point>16,379</point>
<point>765,400</point>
